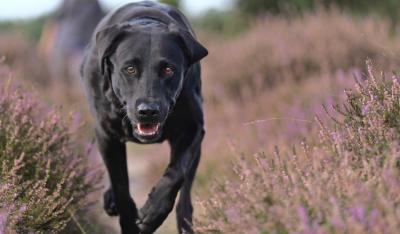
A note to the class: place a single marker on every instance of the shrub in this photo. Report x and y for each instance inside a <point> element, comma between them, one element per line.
<point>385,8</point>
<point>371,118</point>
<point>277,49</point>
<point>348,183</point>
<point>45,178</point>
<point>20,54</point>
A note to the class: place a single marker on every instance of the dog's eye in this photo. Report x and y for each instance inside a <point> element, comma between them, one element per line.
<point>131,70</point>
<point>168,71</point>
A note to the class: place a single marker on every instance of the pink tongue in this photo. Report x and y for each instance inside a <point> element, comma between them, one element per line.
<point>147,128</point>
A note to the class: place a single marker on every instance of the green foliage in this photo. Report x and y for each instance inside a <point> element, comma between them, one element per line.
<point>256,7</point>
<point>224,22</point>
<point>175,3</point>
<point>386,8</point>
<point>31,28</point>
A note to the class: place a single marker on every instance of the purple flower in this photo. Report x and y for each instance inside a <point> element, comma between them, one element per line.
<point>232,215</point>
<point>373,218</point>
<point>3,220</point>
<point>365,110</point>
<point>357,213</point>
<point>76,121</point>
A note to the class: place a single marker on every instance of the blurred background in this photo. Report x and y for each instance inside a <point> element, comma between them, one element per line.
<point>272,66</point>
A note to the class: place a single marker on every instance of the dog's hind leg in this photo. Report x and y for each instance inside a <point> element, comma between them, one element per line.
<point>184,208</point>
<point>114,156</point>
<point>109,202</point>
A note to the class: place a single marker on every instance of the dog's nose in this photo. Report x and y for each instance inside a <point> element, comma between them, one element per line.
<point>146,110</point>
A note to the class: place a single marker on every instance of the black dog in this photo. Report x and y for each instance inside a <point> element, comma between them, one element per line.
<point>142,78</point>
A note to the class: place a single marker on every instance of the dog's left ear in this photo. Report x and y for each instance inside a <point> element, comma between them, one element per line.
<point>106,43</point>
<point>193,49</point>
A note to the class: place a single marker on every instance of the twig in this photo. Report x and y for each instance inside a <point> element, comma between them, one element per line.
<point>273,119</point>
<point>76,222</point>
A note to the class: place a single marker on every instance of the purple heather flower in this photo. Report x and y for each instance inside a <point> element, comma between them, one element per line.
<point>365,110</point>
<point>3,220</point>
<point>357,213</point>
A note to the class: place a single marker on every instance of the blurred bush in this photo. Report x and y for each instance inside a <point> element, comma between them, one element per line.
<point>262,87</point>
<point>20,54</point>
<point>175,3</point>
<point>31,28</point>
<point>238,18</point>
<point>384,8</point>
<point>277,48</point>
<point>347,183</point>
<point>226,23</point>
<point>45,178</point>
<point>257,7</point>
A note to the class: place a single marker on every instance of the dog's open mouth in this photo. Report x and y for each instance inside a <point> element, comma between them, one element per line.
<point>147,129</point>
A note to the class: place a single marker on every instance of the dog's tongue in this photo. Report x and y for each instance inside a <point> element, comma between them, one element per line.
<point>148,129</point>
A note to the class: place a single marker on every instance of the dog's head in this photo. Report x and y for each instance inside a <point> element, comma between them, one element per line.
<point>145,65</point>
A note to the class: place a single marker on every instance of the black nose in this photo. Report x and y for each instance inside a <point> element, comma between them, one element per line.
<point>146,110</point>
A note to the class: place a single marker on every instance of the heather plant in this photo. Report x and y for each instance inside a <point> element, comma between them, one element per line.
<point>276,49</point>
<point>45,177</point>
<point>20,54</point>
<point>371,122</point>
<point>262,87</point>
<point>347,183</point>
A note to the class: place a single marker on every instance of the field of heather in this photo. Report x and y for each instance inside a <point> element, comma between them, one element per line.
<point>302,134</point>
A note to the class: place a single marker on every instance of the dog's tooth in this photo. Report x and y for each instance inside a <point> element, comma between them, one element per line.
<point>147,130</point>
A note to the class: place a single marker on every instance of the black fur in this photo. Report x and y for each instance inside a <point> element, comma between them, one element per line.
<point>150,37</point>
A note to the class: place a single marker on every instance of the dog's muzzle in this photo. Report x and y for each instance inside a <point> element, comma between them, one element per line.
<point>148,116</point>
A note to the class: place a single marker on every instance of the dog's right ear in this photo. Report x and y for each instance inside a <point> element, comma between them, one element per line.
<point>193,49</point>
<point>107,42</point>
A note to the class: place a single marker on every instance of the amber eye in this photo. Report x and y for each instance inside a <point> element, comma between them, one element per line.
<point>131,70</point>
<point>168,71</point>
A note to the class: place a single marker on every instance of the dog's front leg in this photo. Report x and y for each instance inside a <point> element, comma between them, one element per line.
<point>113,153</point>
<point>184,208</point>
<point>162,197</point>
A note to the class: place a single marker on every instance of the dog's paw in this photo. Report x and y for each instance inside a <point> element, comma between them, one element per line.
<point>109,203</point>
<point>151,216</point>
<point>144,228</point>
